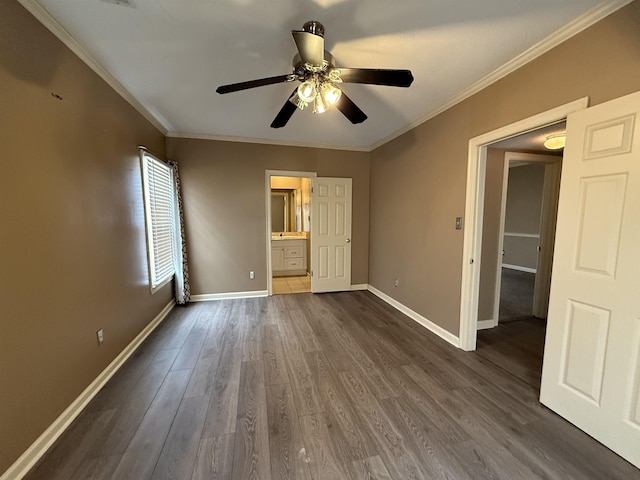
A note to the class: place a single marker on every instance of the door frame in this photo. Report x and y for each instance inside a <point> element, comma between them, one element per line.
<point>267,193</point>
<point>548,211</point>
<point>474,210</point>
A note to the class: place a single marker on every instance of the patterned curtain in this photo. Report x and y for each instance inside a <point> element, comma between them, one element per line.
<point>183,290</point>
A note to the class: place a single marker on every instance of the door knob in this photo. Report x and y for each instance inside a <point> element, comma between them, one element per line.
<point>348,240</point>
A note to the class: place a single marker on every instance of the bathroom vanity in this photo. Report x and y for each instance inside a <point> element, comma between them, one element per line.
<point>288,255</point>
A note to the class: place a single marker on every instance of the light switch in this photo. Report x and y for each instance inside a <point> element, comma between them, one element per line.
<point>458,223</point>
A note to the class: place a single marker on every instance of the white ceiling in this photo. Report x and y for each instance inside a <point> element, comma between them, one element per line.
<point>167,57</point>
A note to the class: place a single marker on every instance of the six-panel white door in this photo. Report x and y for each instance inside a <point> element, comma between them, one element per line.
<point>591,373</point>
<point>331,234</point>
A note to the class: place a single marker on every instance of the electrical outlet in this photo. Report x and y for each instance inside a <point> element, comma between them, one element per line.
<point>100,335</point>
<point>252,274</point>
<point>396,282</point>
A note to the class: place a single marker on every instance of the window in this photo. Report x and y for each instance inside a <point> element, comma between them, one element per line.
<point>159,203</point>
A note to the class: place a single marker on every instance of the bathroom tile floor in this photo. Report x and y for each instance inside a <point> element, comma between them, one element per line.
<point>291,285</point>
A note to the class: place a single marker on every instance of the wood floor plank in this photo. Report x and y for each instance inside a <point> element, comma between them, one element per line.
<point>418,390</point>
<point>180,450</point>
<point>304,332</point>
<point>141,455</point>
<point>124,380</point>
<point>332,386</point>
<point>67,455</point>
<point>100,468</point>
<point>135,404</point>
<point>398,457</point>
<point>427,440</point>
<point>177,328</point>
<point>251,459</point>
<point>355,441</point>
<point>324,455</point>
<point>204,373</point>
<point>510,436</point>
<point>317,318</point>
<point>190,350</point>
<point>376,378</point>
<point>215,458</point>
<point>252,342</point>
<point>223,402</point>
<point>371,468</point>
<point>201,382</point>
<point>289,459</point>
<point>305,392</point>
<point>275,367</point>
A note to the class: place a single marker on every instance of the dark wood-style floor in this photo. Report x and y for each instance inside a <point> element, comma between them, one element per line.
<point>333,386</point>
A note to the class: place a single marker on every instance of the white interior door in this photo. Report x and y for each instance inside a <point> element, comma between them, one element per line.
<point>591,373</point>
<point>330,234</point>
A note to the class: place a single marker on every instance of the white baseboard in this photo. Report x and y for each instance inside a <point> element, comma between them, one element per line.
<point>360,286</point>
<point>428,324</point>
<point>226,296</point>
<point>38,448</point>
<point>518,268</point>
<point>485,324</point>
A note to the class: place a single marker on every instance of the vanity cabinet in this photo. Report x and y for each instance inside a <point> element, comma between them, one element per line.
<point>289,257</point>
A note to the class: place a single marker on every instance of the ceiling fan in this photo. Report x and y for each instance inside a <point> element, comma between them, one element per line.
<point>314,68</point>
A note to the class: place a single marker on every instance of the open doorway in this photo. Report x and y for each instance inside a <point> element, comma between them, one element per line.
<point>520,210</point>
<point>474,210</point>
<point>519,215</point>
<point>289,231</point>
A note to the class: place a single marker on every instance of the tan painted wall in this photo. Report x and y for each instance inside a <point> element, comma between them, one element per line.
<point>225,212</point>
<point>418,180</point>
<point>72,242</point>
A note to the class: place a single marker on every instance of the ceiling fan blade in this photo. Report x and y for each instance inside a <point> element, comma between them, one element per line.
<point>285,113</point>
<point>350,110</point>
<point>392,78</point>
<point>310,47</point>
<point>235,87</point>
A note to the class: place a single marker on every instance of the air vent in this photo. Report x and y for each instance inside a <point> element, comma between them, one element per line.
<point>124,3</point>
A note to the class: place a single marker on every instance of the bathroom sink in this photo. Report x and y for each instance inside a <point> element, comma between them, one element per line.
<point>289,236</point>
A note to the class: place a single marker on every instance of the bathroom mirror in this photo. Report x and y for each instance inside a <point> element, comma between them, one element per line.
<point>279,211</point>
<point>285,215</point>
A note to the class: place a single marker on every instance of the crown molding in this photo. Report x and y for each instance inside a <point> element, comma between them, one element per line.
<point>52,24</point>
<point>267,141</point>
<point>556,38</point>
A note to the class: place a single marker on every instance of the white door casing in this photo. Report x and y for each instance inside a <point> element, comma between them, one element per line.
<point>474,207</point>
<point>591,372</point>
<point>331,234</point>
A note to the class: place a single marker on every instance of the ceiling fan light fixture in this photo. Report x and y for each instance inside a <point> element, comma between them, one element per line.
<point>319,105</point>
<point>297,101</point>
<point>331,94</point>
<point>555,142</point>
<point>307,91</point>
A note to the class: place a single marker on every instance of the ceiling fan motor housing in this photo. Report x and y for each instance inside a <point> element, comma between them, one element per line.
<point>315,27</point>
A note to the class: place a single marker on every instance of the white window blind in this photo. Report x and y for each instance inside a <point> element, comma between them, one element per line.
<point>159,196</point>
